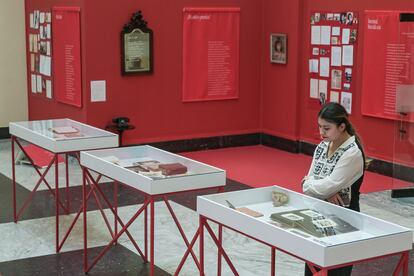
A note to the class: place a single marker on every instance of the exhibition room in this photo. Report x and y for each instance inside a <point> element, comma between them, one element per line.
<point>207,137</point>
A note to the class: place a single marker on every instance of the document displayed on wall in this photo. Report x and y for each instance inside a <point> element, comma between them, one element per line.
<point>67,58</point>
<point>39,59</point>
<point>332,52</point>
<point>388,81</point>
<point>210,53</point>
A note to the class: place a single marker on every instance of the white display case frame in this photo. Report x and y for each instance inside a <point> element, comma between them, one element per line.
<point>43,133</point>
<point>199,175</point>
<point>113,163</point>
<point>375,238</point>
<point>40,133</point>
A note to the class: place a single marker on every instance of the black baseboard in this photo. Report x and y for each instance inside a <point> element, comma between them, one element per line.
<point>209,143</point>
<point>279,143</point>
<point>407,192</point>
<point>378,166</point>
<point>4,133</point>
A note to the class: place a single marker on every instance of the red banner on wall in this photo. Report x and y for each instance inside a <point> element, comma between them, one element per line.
<point>66,55</point>
<point>388,81</point>
<point>210,53</point>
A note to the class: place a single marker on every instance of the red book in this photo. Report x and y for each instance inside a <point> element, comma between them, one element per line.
<point>172,168</point>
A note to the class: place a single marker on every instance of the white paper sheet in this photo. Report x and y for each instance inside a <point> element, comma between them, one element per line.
<point>314,88</point>
<point>39,83</point>
<point>31,20</point>
<point>334,97</point>
<point>35,46</point>
<point>33,82</point>
<point>348,55</point>
<point>313,66</point>
<point>336,56</point>
<point>323,86</point>
<point>48,48</point>
<point>324,67</point>
<point>48,89</point>
<point>42,17</point>
<point>345,36</point>
<point>326,35</point>
<point>316,35</point>
<point>48,31</point>
<point>32,62</point>
<point>98,91</point>
<point>346,101</point>
<point>45,65</point>
<point>336,30</point>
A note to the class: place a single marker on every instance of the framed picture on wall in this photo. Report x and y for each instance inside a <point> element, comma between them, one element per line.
<point>278,48</point>
<point>136,46</point>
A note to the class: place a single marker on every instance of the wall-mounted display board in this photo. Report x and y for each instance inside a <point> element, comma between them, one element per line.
<point>332,57</point>
<point>388,76</point>
<point>67,55</point>
<point>210,53</point>
<point>40,54</point>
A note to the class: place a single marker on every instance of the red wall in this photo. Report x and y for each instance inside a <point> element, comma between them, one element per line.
<point>286,104</point>
<point>280,87</point>
<point>41,107</point>
<point>153,102</point>
<point>273,98</point>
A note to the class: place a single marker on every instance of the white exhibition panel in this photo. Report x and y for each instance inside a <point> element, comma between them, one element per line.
<point>198,176</point>
<point>41,134</point>
<point>374,238</point>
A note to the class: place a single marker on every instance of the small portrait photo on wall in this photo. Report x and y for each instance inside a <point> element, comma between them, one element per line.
<point>336,79</point>
<point>278,48</point>
<point>349,18</point>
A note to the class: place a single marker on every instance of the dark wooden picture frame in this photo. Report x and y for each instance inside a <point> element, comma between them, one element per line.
<point>278,48</point>
<point>136,47</point>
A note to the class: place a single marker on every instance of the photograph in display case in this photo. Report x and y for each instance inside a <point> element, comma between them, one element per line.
<point>311,222</point>
<point>156,169</point>
<point>278,48</point>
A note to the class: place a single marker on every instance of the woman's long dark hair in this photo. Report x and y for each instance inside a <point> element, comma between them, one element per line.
<point>336,114</point>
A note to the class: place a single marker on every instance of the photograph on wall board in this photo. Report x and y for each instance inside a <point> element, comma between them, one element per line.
<point>278,48</point>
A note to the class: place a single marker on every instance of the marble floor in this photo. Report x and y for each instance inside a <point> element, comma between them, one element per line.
<point>28,247</point>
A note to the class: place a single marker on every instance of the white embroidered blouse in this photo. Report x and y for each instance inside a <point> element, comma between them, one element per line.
<point>328,176</point>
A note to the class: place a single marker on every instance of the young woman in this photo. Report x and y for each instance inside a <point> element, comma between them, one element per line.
<point>338,163</point>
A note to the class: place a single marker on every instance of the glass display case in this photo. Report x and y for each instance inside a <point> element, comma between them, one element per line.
<point>63,135</point>
<point>314,230</point>
<point>152,170</point>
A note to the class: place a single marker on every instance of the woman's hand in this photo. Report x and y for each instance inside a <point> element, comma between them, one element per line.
<point>336,199</point>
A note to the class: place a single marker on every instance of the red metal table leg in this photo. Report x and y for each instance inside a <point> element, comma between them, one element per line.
<point>85,223</point>
<point>57,200</point>
<point>273,262</point>
<point>14,179</point>
<point>220,238</point>
<point>116,208</point>
<point>146,231</point>
<point>152,227</point>
<point>201,226</point>
<point>67,184</point>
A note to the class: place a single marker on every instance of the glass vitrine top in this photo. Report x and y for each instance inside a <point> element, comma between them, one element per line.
<point>152,162</point>
<point>309,218</point>
<point>63,129</point>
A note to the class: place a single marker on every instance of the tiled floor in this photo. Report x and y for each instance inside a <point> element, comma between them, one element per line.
<point>27,248</point>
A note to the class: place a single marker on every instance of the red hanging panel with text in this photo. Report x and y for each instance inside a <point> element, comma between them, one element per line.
<point>388,80</point>
<point>210,53</point>
<point>67,55</point>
